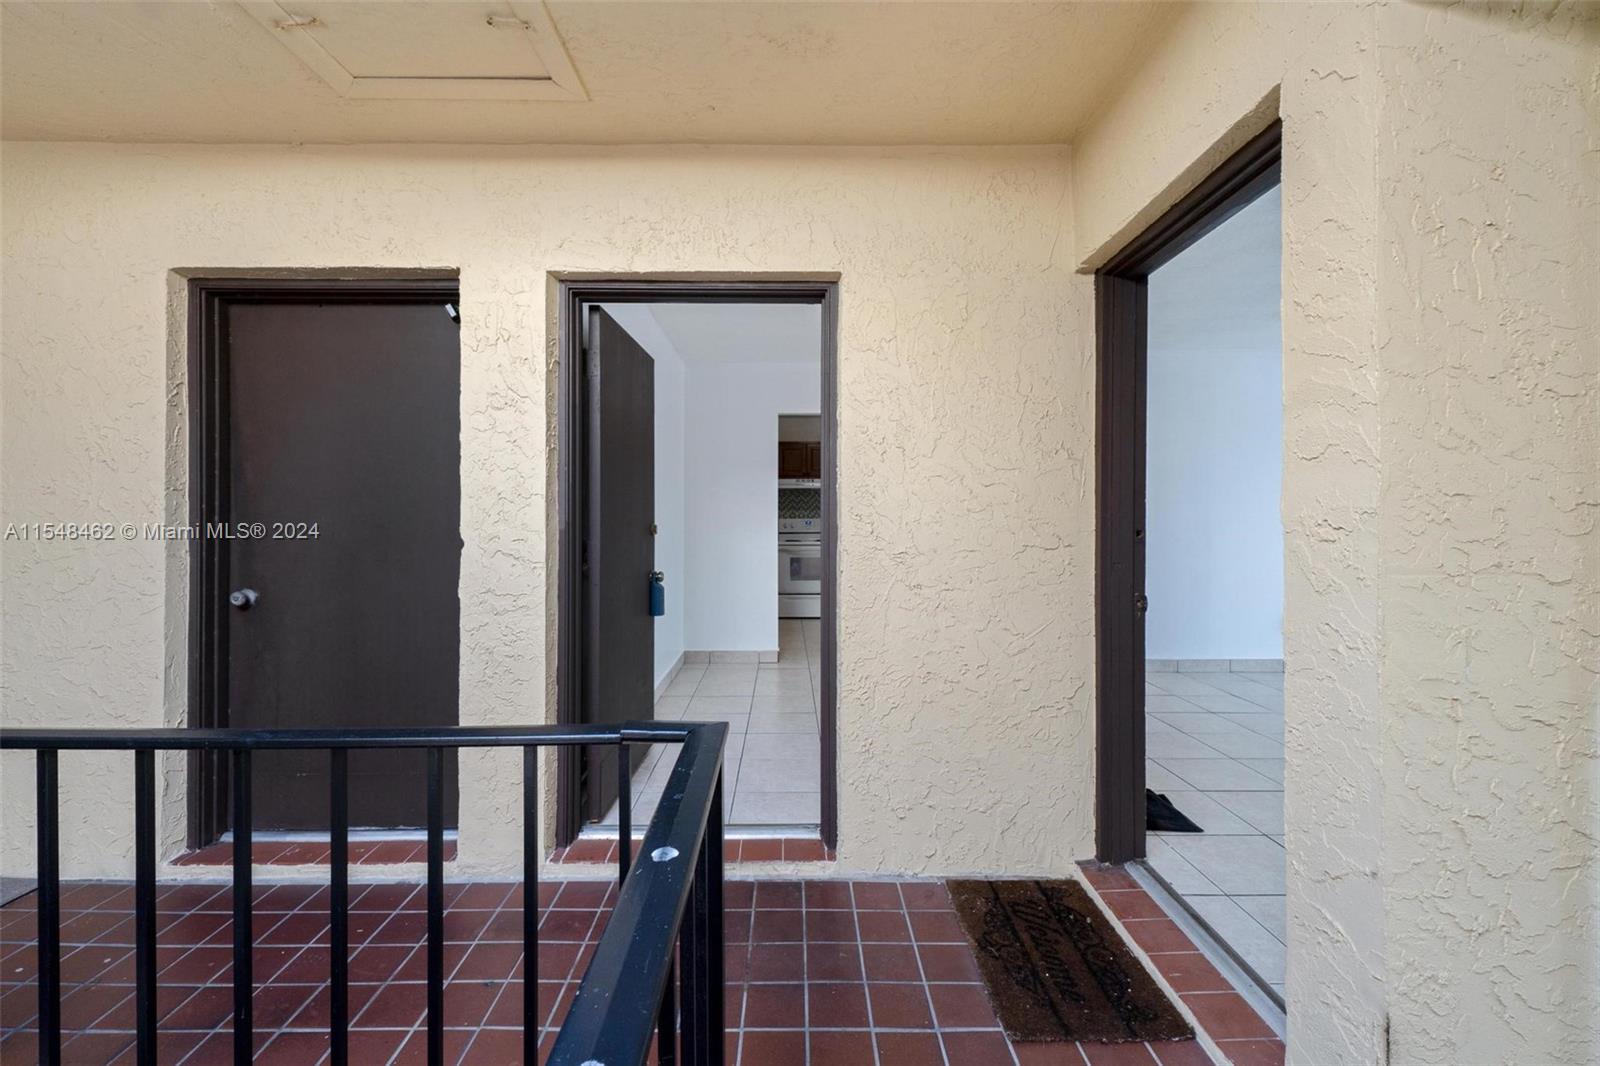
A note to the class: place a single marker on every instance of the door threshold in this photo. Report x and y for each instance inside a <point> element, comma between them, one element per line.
<point>299,837</point>
<point>1256,991</point>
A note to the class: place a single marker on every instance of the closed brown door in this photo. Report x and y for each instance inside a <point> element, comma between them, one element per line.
<point>619,632</point>
<point>343,444</point>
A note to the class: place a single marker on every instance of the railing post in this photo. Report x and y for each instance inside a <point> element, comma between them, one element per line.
<point>530,906</point>
<point>667,1018</point>
<point>715,971</point>
<point>144,876</point>
<point>49,871</point>
<point>435,906</point>
<point>243,938</point>
<point>700,948</point>
<point>624,813</point>
<point>338,907</point>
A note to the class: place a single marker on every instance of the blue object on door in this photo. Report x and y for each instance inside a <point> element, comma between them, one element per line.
<point>658,594</point>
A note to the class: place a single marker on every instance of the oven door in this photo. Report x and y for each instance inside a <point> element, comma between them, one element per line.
<point>799,568</point>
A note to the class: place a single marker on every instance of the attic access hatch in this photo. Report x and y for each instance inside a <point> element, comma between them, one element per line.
<point>496,50</point>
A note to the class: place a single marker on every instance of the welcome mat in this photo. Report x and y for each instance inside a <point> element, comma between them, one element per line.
<point>1055,968</point>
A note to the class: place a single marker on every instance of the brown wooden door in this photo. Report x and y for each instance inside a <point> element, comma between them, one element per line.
<point>791,458</point>
<point>343,423</point>
<point>619,549</point>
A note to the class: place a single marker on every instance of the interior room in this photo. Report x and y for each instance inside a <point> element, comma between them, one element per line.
<point>1214,734</point>
<point>738,505</point>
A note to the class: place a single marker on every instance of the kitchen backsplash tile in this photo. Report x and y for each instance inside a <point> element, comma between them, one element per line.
<point>799,503</point>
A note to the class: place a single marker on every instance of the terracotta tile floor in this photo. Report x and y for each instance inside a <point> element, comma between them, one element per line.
<point>818,972</point>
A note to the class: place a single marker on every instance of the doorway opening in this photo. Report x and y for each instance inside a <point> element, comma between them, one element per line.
<point>1190,553</point>
<point>684,592</point>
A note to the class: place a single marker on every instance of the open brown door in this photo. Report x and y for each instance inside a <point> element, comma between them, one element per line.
<point>619,546</point>
<point>338,436</point>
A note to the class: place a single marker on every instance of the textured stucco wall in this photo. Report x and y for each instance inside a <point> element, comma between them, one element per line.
<point>965,419</point>
<point>1440,472</point>
<point>1489,418</point>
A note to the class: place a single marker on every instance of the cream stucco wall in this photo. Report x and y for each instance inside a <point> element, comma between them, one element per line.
<point>966,448</point>
<point>1441,471</point>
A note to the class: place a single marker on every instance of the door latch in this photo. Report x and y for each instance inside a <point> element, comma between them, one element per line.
<point>1141,602</point>
<point>244,599</point>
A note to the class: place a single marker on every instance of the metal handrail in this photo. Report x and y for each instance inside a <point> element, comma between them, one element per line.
<point>627,993</point>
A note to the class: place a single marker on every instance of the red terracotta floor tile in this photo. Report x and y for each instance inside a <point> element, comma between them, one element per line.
<point>890,962</point>
<point>1130,1054</point>
<point>1103,877</point>
<point>773,1048</point>
<point>1190,971</point>
<point>94,1047</point>
<point>836,926</point>
<point>778,895</point>
<point>761,851</point>
<point>876,895</point>
<point>1158,934</point>
<point>981,1046</point>
<point>1131,903</point>
<point>1180,1053</point>
<point>1253,1052</point>
<point>802,850</point>
<point>777,962</point>
<point>948,962</point>
<point>1226,1016</point>
<point>776,1006</point>
<point>962,1007</point>
<point>899,1006</point>
<point>798,941</point>
<point>295,1048</point>
<point>1064,1053</point>
<point>395,1006</point>
<point>909,1049</point>
<point>936,927</point>
<point>833,962</point>
<point>494,1047</point>
<point>836,1004</point>
<point>883,927</point>
<point>925,896</point>
<point>840,1048</point>
<point>828,895</point>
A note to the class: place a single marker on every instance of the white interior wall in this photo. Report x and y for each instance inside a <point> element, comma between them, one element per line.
<point>669,480</point>
<point>731,453</point>
<point>800,427</point>
<point>1214,464</point>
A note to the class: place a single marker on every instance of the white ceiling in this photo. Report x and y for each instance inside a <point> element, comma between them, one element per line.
<point>742,333</point>
<point>923,72</point>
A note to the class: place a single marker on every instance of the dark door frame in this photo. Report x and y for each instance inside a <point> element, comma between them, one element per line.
<point>571,503</point>
<point>1121,304</point>
<point>210,491</point>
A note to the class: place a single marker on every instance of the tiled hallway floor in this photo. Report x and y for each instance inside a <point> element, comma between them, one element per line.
<point>772,772</point>
<point>1214,746</point>
<point>822,973</point>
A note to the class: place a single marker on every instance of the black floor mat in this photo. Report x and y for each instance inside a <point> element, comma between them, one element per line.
<point>1160,816</point>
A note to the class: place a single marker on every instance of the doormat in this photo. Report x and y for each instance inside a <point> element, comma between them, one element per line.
<point>1162,816</point>
<point>1055,968</point>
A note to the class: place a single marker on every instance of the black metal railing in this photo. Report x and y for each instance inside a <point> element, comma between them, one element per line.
<point>629,996</point>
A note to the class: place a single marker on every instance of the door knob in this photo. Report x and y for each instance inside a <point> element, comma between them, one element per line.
<point>244,599</point>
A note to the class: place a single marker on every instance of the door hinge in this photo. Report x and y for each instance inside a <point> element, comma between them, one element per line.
<point>1141,602</point>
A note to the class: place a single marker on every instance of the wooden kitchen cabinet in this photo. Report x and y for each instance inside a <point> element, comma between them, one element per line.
<point>792,459</point>
<point>799,459</point>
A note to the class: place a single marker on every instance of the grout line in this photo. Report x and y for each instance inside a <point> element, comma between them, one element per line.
<point>866,982</point>
<point>922,974</point>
